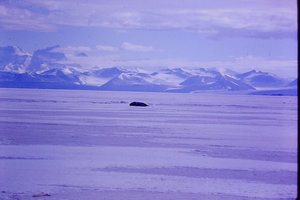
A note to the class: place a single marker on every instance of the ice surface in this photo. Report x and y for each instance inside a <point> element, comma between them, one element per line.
<point>93,145</point>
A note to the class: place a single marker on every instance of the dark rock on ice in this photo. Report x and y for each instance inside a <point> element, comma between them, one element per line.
<point>42,194</point>
<point>138,104</point>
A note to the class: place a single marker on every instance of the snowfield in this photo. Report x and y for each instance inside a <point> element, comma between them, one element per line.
<point>92,145</point>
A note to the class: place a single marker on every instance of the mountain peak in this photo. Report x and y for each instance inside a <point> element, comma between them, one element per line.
<point>9,50</point>
<point>261,79</point>
<point>48,66</point>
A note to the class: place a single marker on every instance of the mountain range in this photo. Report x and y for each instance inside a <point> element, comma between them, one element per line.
<point>46,68</point>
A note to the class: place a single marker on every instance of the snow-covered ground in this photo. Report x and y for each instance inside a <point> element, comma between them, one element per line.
<point>93,145</point>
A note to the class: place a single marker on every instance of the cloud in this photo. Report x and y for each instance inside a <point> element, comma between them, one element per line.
<point>106,48</point>
<point>261,19</point>
<point>70,51</point>
<point>283,68</point>
<point>93,61</point>
<point>13,18</point>
<point>126,46</point>
<point>134,47</point>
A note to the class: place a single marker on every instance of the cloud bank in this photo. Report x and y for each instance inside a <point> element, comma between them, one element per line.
<point>283,68</point>
<point>259,19</point>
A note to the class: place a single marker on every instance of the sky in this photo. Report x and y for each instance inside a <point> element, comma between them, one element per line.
<point>240,35</point>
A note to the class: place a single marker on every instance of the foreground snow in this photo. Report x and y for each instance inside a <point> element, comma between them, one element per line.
<point>92,145</point>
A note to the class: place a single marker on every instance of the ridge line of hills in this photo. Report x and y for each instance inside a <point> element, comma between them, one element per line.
<point>46,68</point>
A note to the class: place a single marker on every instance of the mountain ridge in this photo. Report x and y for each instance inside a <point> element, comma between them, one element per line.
<point>45,69</point>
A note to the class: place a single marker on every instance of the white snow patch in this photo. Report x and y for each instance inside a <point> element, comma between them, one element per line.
<point>66,71</point>
<point>93,81</point>
<point>166,79</point>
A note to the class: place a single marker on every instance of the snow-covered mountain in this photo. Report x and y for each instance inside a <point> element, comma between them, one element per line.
<point>14,59</point>
<point>46,59</point>
<point>293,83</point>
<point>170,77</point>
<point>261,79</point>
<point>47,68</point>
<point>133,81</point>
<point>213,80</point>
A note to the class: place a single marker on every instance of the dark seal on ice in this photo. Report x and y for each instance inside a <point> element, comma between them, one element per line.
<point>138,104</point>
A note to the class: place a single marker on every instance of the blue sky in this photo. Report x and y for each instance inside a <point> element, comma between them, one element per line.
<point>237,34</point>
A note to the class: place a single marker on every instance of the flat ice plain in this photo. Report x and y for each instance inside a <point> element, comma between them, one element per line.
<point>93,145</point>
